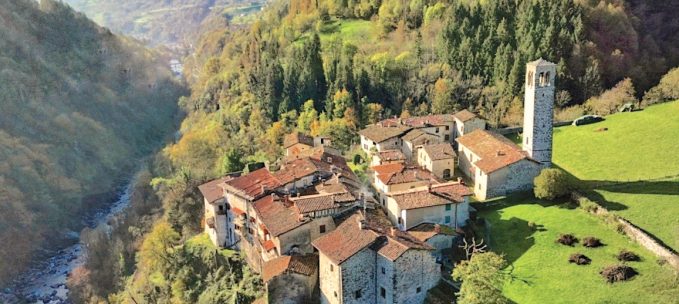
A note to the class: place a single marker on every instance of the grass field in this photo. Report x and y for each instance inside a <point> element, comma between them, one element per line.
<point>352,31</point>
<point>626,165</point>
<point>540,269</point>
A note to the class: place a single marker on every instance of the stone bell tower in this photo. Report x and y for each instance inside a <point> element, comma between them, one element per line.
<point>538,110</point>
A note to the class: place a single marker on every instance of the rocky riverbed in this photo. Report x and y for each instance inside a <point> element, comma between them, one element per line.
<point>45,281</point>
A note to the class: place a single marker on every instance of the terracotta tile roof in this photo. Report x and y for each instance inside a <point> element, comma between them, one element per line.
<point>268,245</point>
<point>378,133</point>
<point>391,155</point>
<point>425,231</point>
<point>388,168</point>
<point>253,185</point>
<point>349,238</point>
<point>392,176</point>
<point>277,215</point>
<point>296,169</point>
<point>465,115</point>
<point>297,138</point>
<point>420,121</point>
<point>305,265</point>
<point>417,137</point>
<point>212,190</point>
<point>318,202</point>
<point>237,211</point>
<point>440,151</point>
<point>494,150</point>
<point>437,195</point>
<point>261,300</point>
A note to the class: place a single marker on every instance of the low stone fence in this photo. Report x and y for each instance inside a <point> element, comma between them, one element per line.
<point>640,236</point>
<point>515,130</point>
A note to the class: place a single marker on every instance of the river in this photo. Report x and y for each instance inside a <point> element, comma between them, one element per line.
<point>45,281</point>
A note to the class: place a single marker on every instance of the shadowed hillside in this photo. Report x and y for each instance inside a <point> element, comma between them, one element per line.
<point>79,107</point>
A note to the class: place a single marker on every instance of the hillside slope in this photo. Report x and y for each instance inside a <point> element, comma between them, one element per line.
<point>79,106</point>
<point>175,23</point>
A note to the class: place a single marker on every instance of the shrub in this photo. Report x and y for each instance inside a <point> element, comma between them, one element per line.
<point>552,183</point>
<point>532,225</point>
<point>628,256</point>
<point>579,259</point>
<point>588,205</point>
<point>567,239</point>
<point>591,242</point>
<point>666,90</point>
<point>618,273</point>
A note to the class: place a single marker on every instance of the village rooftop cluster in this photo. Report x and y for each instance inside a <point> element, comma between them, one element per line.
<point>312,230</point>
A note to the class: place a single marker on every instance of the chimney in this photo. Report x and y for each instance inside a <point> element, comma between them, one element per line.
<point>429,187</point>
<point>361,224</point>
<point>392,231</point>
<point>500,153</point>
<point>437,228</point>
<point>459,180</point>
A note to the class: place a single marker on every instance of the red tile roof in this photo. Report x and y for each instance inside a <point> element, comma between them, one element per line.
<point>237,211</point>
<point>494,150</point>
<point>379,133</point>
<point>425,231</point>
<point>268,245</point>
<point>420,121</point>
<point>391,155</point>
<point>296,169</point>
<point>305,265</point>
<point>277,215</point>
<point>465,115</point>
<point>417,137</point>
<point>439,151</point>
<point>318,202</point>
<point>212,190</point>
<point>253,185</point>
<point>437,195</point>
<point>392,176</point>
<point>297,138</point>
<point>350,238</point>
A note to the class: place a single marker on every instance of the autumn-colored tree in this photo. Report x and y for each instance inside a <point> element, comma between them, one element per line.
<point>609,101</point>
<point>158,248</point>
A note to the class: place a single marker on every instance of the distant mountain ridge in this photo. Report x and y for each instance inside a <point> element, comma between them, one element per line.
<point>80,107</point>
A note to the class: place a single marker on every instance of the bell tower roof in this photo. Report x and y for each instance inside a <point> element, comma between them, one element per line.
<point>540,62</point>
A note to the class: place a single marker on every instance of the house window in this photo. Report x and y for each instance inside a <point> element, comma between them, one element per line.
<point>335,294</point>
<point>332,268</point>
<point>447,221</point>
<point>400,220</point>
<point>384,270</point>
<point>383,292</point>
<point>446,174</point>
<point>322,229</point>
<point>447,137</point>
<point>419,289</point>
<point>221,208</point>
<point>358,294</point>
<point>448,207</point>
<point>447,128</point>
<point>437,130</point>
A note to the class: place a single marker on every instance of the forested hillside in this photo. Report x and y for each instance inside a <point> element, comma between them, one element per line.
<point>174,23</point>
<point>330,67</point>
<point>80,106</point>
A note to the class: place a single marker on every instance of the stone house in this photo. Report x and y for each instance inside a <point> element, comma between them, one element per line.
<point>298,143</point>
<point>218,221</point>
<point>445,204</point>
<point>291,279</point>
<point>378,137</point>
<point>414,139</point>
<point>397,177</point>
<point>439,159</point>
<point>436,235</point>
<point>495,164</point>
<point>388,157</point>
<point>466,122</point>
<point>366,260</point>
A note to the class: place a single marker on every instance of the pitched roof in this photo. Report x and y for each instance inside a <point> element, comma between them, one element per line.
<point>405,175</point>
<point>378,133</point>
<point>318,202</point>
<point>253,185</point>
<point>391,155</point>
<point>212,190</point>
<point>494,150</point>
<point>359,232</point>
<point>297,138</point>
<point>304,265</point>
<point>436,195</point>
<point>425,231</point>
<point>541,62</point>
<point>417,137</point>
<point>420,121</point>
<point>296,169</point>
<point>465,115</point>
<point>277,216</point>
<point>439,151</point>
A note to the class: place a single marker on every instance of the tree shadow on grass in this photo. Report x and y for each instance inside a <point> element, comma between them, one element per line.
<point>512,237</point>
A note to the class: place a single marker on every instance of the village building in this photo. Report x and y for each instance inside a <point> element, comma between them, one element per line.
<point>218,222</point>
<point>291,279</point>
<point>440,237</point>
<point>466,122</point>
<point>377,137</point>
<point>398,177</point>
<point>366,260</point>
<point>298,143</point>
<point>414,139</point>
<point>439,159</point>
<point>388,157</point>
<point>495,164</point>
<point>445,204</point>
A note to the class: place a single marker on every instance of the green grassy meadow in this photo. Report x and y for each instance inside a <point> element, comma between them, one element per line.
<point>539,266</point>
<point>628,167</point>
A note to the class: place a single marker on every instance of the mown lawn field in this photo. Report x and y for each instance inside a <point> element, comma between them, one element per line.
<point>539,266</point>
<point>354,31</point>
<point>632,168</point>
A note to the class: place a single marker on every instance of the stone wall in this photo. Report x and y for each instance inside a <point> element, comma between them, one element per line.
<point>329,278</point>
<point>414,270</point>
<point>358,273</point>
